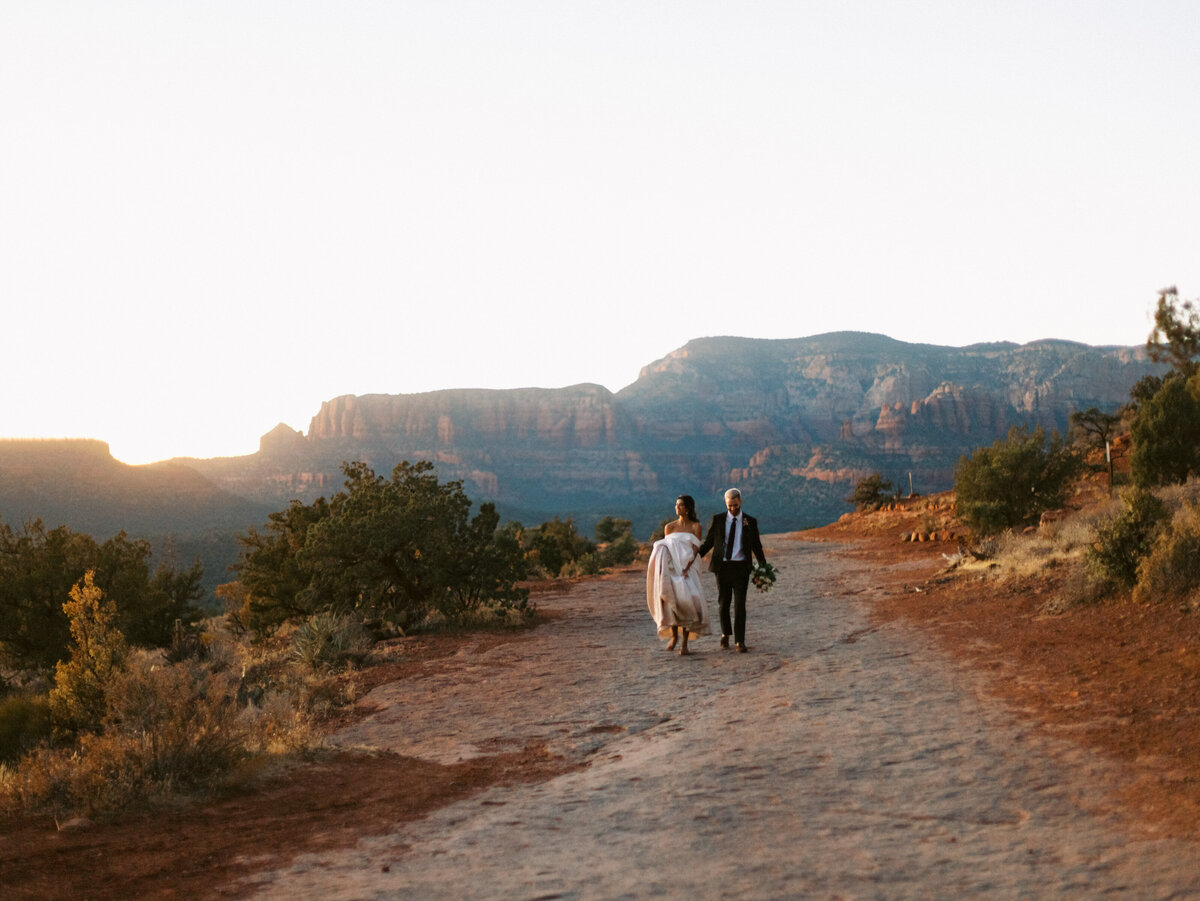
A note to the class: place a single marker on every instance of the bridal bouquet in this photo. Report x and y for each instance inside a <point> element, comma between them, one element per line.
<point>763,576</point>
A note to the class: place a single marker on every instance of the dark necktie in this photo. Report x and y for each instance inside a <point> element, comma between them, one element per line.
<point>732,535</point>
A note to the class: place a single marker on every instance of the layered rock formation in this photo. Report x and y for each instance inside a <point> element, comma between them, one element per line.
<point>580,416</point>
<point>796,421</point>
<point>793,422</point>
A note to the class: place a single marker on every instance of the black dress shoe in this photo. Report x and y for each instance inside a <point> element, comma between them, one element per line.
<point>724,641</point>
<point>741,648</point>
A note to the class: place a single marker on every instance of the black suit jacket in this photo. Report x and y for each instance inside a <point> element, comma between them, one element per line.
<point>715,541</point>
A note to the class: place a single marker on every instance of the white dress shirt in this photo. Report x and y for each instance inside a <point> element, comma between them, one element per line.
<point>737,553</point>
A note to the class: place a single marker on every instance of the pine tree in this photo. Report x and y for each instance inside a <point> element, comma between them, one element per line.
<point>98,650</point>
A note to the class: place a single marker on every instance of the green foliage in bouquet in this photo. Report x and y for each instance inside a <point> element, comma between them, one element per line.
<point>763,576</point>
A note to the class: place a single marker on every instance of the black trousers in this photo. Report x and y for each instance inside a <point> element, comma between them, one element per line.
<point>733,579</point>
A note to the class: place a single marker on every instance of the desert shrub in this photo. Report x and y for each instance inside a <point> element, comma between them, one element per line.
<point>622,550</point>
<point>985,548</point>
<point>330,641</point>
<point>23,723</point>
<point>1081,586</point>
<point>554,545</point>
<point>1181,494</point>
<point>620,547</point>
<point>181,718</point>
<point>322,695</point>
<point>279,694</point>
<point>170,729</point>
<point>871,493</point>
<point>102,773</point>
<point>387,551</point>
<point>1166,434</point>
<point>557,549</point>
<point>1073,533</point>
<point>167,729</point>
<point>609,529</point>
<point>98,651</point>
<point>1022,555</point>
<point>38,568</point>
<point>1010,483</point>
<point>485,573</point>
<point>1125,538</point>
<point>187,643</point>
<point>1171,569</point>
<point>45,782</point>
<point>588,564</point>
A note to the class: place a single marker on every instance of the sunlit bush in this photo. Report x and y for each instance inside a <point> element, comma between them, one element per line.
<point>1171,570</point>
<point>871,493</point>
<point>98,650</point>
<point>1124,539</point>
<point>1008,484</point>
<point>167,728</point>
<point>588,564</point>
<point>330,641</point>
<point>183,717</point>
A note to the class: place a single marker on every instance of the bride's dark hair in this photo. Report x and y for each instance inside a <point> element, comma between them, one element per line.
<point>689,507</point>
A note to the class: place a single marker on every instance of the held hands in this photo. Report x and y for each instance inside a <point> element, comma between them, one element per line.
<point>689,564</point>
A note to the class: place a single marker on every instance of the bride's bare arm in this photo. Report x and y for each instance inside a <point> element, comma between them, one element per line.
<point>690,562</point>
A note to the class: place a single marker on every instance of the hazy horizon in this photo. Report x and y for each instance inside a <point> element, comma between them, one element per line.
<point>304,427</point>
<point>216,216</point>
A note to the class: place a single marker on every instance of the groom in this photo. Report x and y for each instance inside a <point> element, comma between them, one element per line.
<point>733,539</point>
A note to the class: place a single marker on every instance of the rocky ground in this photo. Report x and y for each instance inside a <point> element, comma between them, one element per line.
<point>893,733</point>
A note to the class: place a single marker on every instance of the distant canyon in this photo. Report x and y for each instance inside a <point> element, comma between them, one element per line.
<point>794,423</point>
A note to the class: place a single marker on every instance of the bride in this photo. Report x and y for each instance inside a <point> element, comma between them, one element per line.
<point>673,591</point>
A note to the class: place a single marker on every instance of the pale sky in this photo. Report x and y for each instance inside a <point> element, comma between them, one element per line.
<point>216,215</point>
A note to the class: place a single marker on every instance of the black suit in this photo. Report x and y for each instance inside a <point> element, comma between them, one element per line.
<point>733,576</point>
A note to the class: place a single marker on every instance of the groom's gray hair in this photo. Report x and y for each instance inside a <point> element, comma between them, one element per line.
<point>732,493</point>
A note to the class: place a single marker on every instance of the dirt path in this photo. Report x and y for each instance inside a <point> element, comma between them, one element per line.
<point>837,759</point>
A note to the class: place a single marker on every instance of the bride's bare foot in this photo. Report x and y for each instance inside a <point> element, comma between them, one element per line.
<point>684,652</point>
<point>674,639</point>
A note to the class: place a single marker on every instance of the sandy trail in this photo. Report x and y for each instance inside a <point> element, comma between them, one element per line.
<point>838,759</point>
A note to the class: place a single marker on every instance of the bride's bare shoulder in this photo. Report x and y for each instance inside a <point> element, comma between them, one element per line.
<point>674,526</point>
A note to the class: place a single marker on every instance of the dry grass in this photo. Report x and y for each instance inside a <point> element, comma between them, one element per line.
<point>1062,547</point>
<point>178,729</point>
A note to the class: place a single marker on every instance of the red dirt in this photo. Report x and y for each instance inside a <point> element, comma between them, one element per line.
<point>198,850</point>
<point>189,853</point>
<point>1119,677</point>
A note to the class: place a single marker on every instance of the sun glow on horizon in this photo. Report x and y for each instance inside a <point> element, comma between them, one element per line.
<point>209,228</point>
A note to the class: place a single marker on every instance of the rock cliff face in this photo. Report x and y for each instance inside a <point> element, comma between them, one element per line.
<point>582,416</point>
<point>795,422</point>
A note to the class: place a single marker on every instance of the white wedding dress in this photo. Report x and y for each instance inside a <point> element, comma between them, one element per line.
<point>673,598</point>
